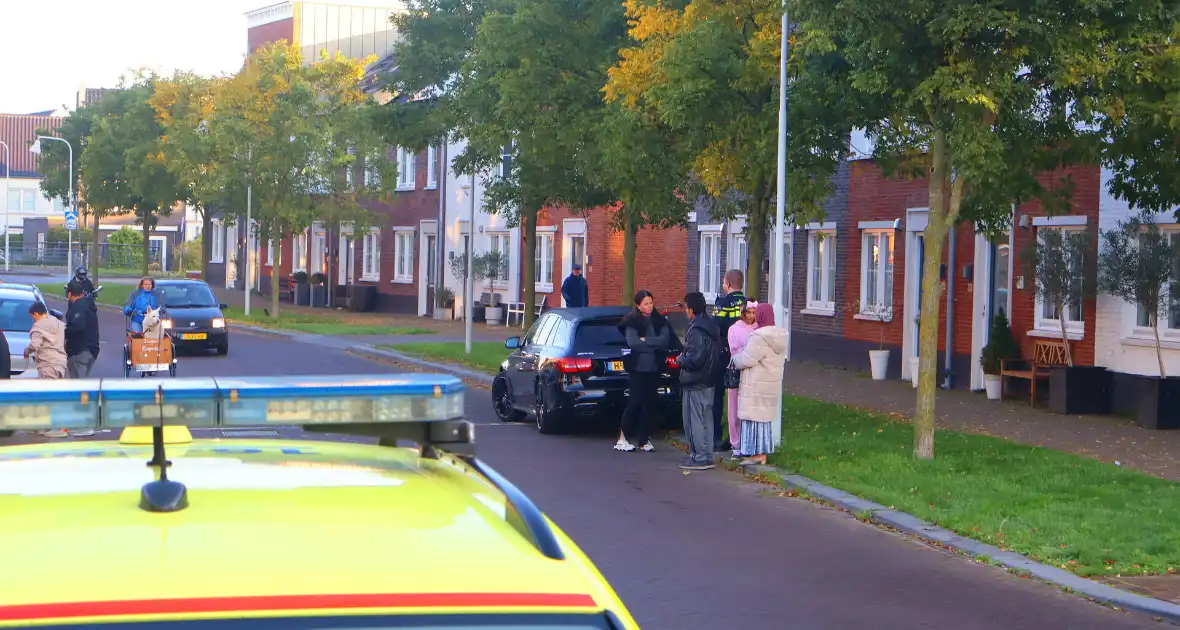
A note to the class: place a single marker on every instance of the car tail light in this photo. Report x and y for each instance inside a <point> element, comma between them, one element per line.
<point>673,361</point>
<point>574,364</point>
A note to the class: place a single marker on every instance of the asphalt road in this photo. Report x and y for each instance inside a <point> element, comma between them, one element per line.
<point>708,550</point>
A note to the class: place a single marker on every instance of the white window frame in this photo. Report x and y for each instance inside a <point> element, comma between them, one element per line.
<point>371,256</point>
<point>217,247</point>
<point>821,242</point>
<point>709,279</point>
<point>403,255</point>
<point>406,178</point>
<point>544,260</point>
<point>1167,333</point>
<point>431,167</point>
<point>877,307</point>
<point>1051,327</point>
<point>299,252</point>
<point>737,243</point>
<point>502,241</point>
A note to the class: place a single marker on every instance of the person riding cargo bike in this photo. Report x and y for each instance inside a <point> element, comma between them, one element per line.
<point>149,348</point>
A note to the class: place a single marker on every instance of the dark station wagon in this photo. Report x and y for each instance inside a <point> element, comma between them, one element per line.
<point>567,372</point>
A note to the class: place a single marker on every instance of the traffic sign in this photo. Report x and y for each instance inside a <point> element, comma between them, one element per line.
<point>71,214</point>
<point>71,222</point>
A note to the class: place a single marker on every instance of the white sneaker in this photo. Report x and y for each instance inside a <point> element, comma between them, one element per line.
<point>56,433</point>
<point>647,447</point>
<point>624,446</point>
<point>81,433</point>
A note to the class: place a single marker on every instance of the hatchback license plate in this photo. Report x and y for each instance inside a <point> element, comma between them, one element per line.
<point>193,336</point>
<point>616,366</point>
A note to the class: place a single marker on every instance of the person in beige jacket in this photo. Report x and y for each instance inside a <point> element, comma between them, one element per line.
<point>47,339</point>
<point>761,362</point>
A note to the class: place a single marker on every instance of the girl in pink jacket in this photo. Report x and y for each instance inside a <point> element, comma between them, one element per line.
<point>739,334</point>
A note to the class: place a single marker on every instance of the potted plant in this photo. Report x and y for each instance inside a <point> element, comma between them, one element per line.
<point>302,290</point>
<point>486,267</point>
<point>1137,263</point>
<point>458,264</point>
<point>1060,262</point>
<point>1001,346</point>
<point>879,358</point>
<point>319,289</point>
<point>444,301</point>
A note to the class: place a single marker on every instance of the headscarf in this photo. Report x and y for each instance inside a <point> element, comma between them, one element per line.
<point>764,315</point>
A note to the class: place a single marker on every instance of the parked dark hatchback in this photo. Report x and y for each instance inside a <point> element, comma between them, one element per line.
<point>567,372</point>
<point>195,316</point>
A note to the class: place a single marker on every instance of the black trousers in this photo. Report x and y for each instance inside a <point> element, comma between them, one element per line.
<point>642,406</point>
<point>719,398</point>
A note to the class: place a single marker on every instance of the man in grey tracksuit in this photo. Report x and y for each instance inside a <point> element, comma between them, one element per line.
<point>698,367</point>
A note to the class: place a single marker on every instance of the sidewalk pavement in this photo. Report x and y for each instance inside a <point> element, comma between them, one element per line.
<point>1106,438</point>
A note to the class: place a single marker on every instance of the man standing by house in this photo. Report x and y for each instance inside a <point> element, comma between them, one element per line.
<point>728,310</point>
<point>575,290</point>
<point>81,332</point>
<point>698,366</point>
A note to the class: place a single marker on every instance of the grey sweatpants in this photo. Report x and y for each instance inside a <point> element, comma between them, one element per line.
<point>697,410</point>
<point>79,364</point>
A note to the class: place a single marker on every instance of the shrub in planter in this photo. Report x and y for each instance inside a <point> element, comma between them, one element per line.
<point>1061,261</point>
<point>302,289</point>
<point>879,358</point>
<point>319,289</point>
<point>1137,263</point>
<point>1000,346</point>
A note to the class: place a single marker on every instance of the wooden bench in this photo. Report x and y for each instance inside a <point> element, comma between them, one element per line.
<point>1046,354</point>
<point>287,290</point>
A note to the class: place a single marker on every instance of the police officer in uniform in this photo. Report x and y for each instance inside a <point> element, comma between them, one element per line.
<point>728,310</point>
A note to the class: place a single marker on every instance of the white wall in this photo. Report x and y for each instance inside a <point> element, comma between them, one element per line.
<point>16,215</point>
<point>1118,344</point>
<point>458,209</point>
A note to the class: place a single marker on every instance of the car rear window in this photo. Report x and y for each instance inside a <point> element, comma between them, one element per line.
<point>14,314</point>
<point>598,333</point>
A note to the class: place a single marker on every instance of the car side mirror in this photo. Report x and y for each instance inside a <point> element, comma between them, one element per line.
<point>223,306</point>
<point>512,343</point>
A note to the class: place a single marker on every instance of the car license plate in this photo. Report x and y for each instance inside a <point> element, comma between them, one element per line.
<point>194,336</point>
<point>616,366</point>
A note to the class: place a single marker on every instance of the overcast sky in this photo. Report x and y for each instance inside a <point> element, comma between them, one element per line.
<point>53,47</point>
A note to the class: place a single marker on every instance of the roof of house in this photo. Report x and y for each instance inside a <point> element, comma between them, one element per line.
<point>19,131</point>
<point>128,220</point>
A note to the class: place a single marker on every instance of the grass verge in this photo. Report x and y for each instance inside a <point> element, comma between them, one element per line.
<point>1086,516</point>
<point>486,356</point>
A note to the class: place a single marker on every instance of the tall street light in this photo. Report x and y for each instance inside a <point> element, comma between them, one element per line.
<point>782,279</point>
<point>36,150</point>
<point>7,191</point>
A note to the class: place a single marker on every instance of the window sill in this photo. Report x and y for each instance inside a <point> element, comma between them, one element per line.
<point>818,312</point>
<point>1140,342</point>
<point>402,281</point>
<point>404,188</point>
<point>543,288</point>
<point>500,286</point>
<point>870,317</point>
<point>217,261</point>
<point>370,279</point>
<point>1072,335</point>
<point>433,186</point>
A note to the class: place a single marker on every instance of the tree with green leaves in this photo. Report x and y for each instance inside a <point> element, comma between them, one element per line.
<point>122,169</point>
<point>299,137</point>
<point>1138,264</point>
<point>519,77</point>
<point>54,166</point>
<point>980,98</point>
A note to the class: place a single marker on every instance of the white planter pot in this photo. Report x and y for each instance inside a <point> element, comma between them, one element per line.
<point>494,315</point>
<point>879,363</point>
<point>914,371</point>
<point>992,384</point>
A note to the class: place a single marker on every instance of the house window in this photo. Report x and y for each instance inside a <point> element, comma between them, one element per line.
<point>217,247</point>
<point>270,253</point>
<point>821,270</point>
<point>59,206</point>
<point>432,167</point>
<point>876,274</point>
<point>544,261</point>
<point>371,256</point>
<point>405,169</point>
<point>501,242</point>
<point>1170,321</point>
<point>1047,316</point>
<point>739,252</point>
<point>505,167</point>
<point>299,251</point>
<point>29,202</point>
<point>710,272</point>
<point>22,200</point>
<point>403,255</point>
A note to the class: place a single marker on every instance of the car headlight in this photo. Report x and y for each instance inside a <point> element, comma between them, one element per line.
<point>166,323</point>
<point>218,322</point>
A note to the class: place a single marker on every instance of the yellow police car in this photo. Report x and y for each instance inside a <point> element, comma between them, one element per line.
<point>410,532</point>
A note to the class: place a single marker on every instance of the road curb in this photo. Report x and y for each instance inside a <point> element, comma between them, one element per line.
<point>910,524</point>
<point>374,353</point>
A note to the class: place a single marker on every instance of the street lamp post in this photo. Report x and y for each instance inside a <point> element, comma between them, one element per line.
<point>468,289</point>
<point>36,150</point>
<point>781,278</point>
<point>7,191</point>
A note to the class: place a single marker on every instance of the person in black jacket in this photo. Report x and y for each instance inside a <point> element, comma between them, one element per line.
<point>698,368</point>
<point>5,358</point>
<point>81,332</point>
<point>728,311</point>
<point>575,290</point>
<point>648,335</point>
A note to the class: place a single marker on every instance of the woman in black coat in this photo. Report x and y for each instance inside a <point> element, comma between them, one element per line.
<point>648,336</point>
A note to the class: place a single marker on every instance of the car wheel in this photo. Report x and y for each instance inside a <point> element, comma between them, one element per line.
<point>223,349</point>
<point>502,401</point>
<point>548,422</point>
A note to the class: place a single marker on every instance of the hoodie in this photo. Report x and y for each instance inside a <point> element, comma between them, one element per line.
<point>761,363</point>
<point>698,360</point>
<point>47,338</point>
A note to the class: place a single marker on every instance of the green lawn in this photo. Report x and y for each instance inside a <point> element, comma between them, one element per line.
<point>1084,515</point>
<point>486,356</point>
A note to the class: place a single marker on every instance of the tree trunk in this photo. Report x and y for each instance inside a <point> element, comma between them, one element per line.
<point>94,259</point>
<point>1159,354</point>
<point>206,242</point>
<point>755,249</point>
<point>630,232</point>
<point>528,221</point>
<point>938,226</point>
<point>1064,337</point>
<point>274,290</point>
<point>147,247</point>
